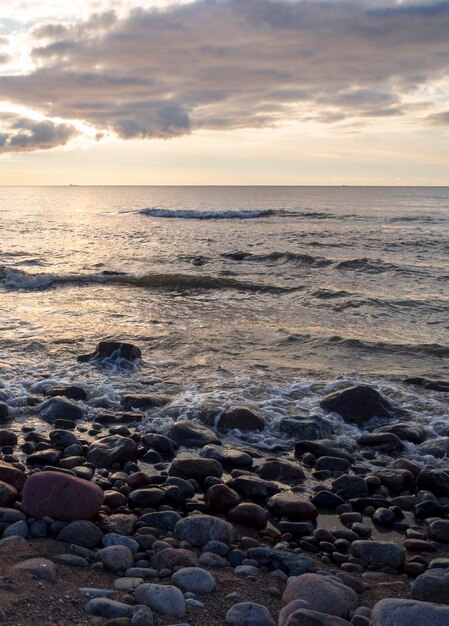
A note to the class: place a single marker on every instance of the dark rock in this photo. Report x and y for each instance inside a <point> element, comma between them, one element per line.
<point>4,411</point>
<point>432,586</point>
<point>192,434</point>
<point>200,529</point>
<point>405,431</point>
<point>151,497</point>
<point>433,385</point>
<point>293,506</point>
<point>383,442</point>
<point>358,404</point>
<point>327,500</point>
<point>379,554</point>
<point>171,558</point>
<point>284,471</point>
<point>228,458</point>
<point>8,438</point>
<point>81,533</point>
<point>11,475</point>
<point>240,418</point>
<point>332,464</point>
<point>322,447</point>
<point>113,350</point>
<point>164,445</point>
<point>144,401</point>
<point>113,449</point>
<point>60,408</point>
<point>397,480</point>
<point>253,487</point>
<point>73,392</point>
<point>399,612</point>
<point>314,427</point>
<point>162,520</point>
<point>323,593</point>
<point>221,498</point>
<point>8,494</point>
<point>198,469</point>
<point>249,514</point>
<point>439,447</point>
<point>434,480</point>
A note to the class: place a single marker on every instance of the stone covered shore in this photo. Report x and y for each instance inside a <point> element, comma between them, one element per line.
<point>106,523</point>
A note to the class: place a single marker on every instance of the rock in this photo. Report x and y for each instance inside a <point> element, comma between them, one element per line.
<point>323,593</point>
<point>114,539</point>
<point>71,559</point>
<point>433,385</point>
<point>439,447</point>
<point>293,506</point>
<point>162,444</point>
<point>192,434</point>
<point>18,529</point>
<point>8,493</point>
<point>439,530</point>
<point>322,447</point>
<point>249,514</point>
<point>60,496</point>
<point>314,427</point>
<point>4,411</point>
<point>397,480</point>
<point>11,475</point>
<point>379,554</point>
<point>113,350</point>
<point>163,599</point>
<point>122,524</point>
<point>292,563</point>
<point>162,520</point>
<point>60,408</point>
<point>221,498</point>
<point>113,449</point>
<point>358,404</point>
<point>48,456</point>
<point>41,568</point>
<point>305,617</point>
<point>115,558</point>
<point>399,612</point>
<point>199,469</point>
<point>199,529</point>
<point>406,432</point>
<point>150,497</point>
<point>72,392</point>
<point>170,558</point>
<point>355,485</point>
<point>253,488</point>
<point>194,579</point>
<point>383,442</point>
<point>228,458</point>
<point>105,607</point>
<point>144,401</point>
<point>9,516</point>
<point>7,438</point>
<point>434,480</point>
<point>142,616</point>
<point>432,586</point>
<point>284,471</point>
<point>249,614</point>
<point>289,609</point>
<point>240,418</point>
<point>81,533</point>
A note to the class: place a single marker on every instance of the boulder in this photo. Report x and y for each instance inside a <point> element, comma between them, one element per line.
<point>113,350</point>
<point>324,594</point>
<point>432,586</point>
<point>112,449</point>
<point>249,514</point>
<point>60,496</point>
<point>293,506</point>
<point>399,612</point>
<point>358,404</point>
<point>200,529</point>
<point>192,434</point>
<point>240,418</point>
<point>11,475</point>
<point>379,554</point>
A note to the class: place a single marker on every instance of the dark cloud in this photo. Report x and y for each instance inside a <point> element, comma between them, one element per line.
<point>27,135</point>
<point>226,64</point>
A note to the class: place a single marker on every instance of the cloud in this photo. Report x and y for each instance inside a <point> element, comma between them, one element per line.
<point>27,135</point>
<point>227,64</point>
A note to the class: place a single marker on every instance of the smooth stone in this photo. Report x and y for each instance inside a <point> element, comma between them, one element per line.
<point>114,539</point>
<point>283,471</point>
<point>399,612</point>
<point>194,579</point>
<point>253,488</point>
<point>71,559</point>
<point>60,496</point>
<point>439,530</point>
<point>115,558</point>
<point>162,520</point>
<point>293,506</point>
<point>198,469</point>
<point>60,408</point>
<point>104,607</point>
<point>192,434</point>
<point>113,449</point>
<point>240,418</point>
<point>306,617</point>
<point>249,614</point>
<point>323,593</point>
<point>379,554</point>
<point>41,568</point>
<point>432,586</point>
<point>220,498</point>
<point>199,529</point>
<point>314,427</point>
<point>289,609</point>
<point>249,514</point>
<point>358,404</point>
<point>143,401</point>
<point>163,599</point>
<point>81,533</point>
<point>170,558</point>
<point>322,447</point>
<point>434,480</point>
<point>142,616</point>
<point>11,475</point>
<point>113,350</point>
<point>8,493</point>
<point>18,529</point>
<point>228,458</point>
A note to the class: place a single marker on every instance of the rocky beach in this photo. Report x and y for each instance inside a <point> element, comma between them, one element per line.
<point>105,520</point>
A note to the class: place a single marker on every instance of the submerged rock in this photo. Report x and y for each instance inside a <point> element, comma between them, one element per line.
<point>434,385</point>
<point>112,350</point>
<point>60,408</point>
<point>144,401</point>
<point>192,434</point>
<point>240,418</point>
<point>358,404</point>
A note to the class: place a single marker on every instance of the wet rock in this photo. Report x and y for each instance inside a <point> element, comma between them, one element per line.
<point>322,447</point>
<point>439,530</point>
<point>43,569</point>
<point>144,401</point>
<point>160,443</point>
<point>60,496</point>
<point>397,480</point>
<point>197,468</point>
<point>379,554</point>
<point>405,431</point>
<point>4,411</point>
<point>72,392</point>
<point>432,586</point>
<point>249,514</point>
<point>439,448</point>
<point>115,558</point>
<point>150,497</point>
<point>399,612</point>
<point>81,533</point>
<point>11,475</point>
<point>7,438</point>
<point>292,506</point>
<point>314,427</point>
<point>192,434</point>
<point>194,579</point>
<point>228,458</point>
<point>332,464</point>
<point>199,529</point>
<point>163,599</point>
<point>358,404</point>
<point>253,487</point>
<point>323,593</point>
<point>113,449</point>
<point>435,481</point>
<point>105,607</point>
<point>60,408</point>
<point>433,385</point>
<point>113,350</point>
<point>221,498</point>
<point>284,471</point>
<point>355,485</point>
<point>249,614</point>
<point>49,456</point>
<point>381,441</point>
<point>240,418</point>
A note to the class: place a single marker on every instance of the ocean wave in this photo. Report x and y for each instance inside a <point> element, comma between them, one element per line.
<point>20,280</point>
<point>372,266</point>
<point>295,257</point>
<point>191,214</point>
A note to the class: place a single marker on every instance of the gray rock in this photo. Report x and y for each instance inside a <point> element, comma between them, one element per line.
<point>289,609</point>
<point>325,594</point>
<point>199,529</point>
<point>18,529</point>
<point>163,599</point>
<point>142,616</point>
<point>115,558</point>
<point>379,554</point>
<point>163,520</point>
<point>81,533</point>
<point>113,449</point>
<point>398,612</point>
<point>249,614</point>
<point>432,586</point>
<point>114,539</point>
<point>439,530</point>
<point>194,579</point>
<point>60,408</point>
<point>192,434</point>
<point>71,559</point>
<point>41,568</point>
<point>104,607</point>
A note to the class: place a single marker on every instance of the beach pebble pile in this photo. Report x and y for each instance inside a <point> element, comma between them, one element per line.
<point>168,515</point>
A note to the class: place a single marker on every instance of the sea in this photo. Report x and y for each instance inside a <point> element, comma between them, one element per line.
<point>267,297</point>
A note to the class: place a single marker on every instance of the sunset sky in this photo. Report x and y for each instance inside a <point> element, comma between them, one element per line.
<point>224,92</point>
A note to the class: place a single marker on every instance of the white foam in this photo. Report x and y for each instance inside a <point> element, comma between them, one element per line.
<point>190,214</point>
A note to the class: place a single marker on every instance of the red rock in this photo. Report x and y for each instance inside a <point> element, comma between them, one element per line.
<point>61,496</point>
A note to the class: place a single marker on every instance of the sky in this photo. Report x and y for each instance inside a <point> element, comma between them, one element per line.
<point>277,92</point>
